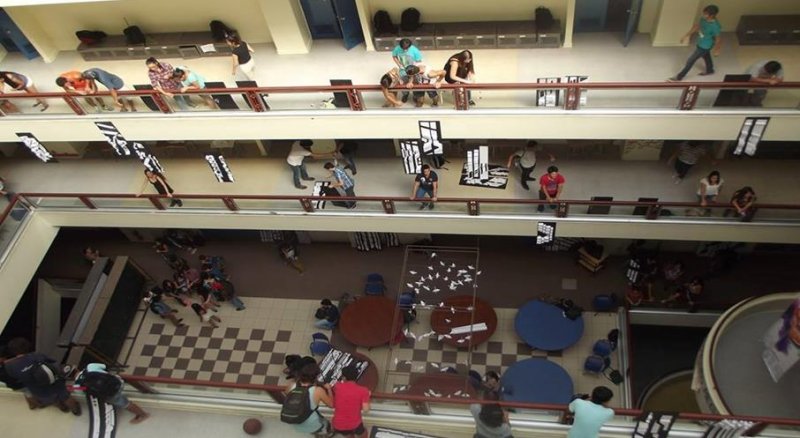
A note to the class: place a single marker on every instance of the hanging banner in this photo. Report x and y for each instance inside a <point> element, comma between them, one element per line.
<point>220,168</point>
<point>125,148</point>
<point>545,233</point>
<point>576,79</point>
<point>478,163</point>
<point>36,147</point>
<point>782,342</point>
<point>412,156</point>
<point>430,132</point>
<point>750,135</point>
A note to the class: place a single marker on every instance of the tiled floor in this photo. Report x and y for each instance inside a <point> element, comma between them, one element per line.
<point>250,346</point>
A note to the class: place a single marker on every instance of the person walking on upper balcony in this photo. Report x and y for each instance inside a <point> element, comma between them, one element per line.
<point>111,81</point>
<point>20,82</point>
<point>525,158</point>
<point>404,55</point>
<point>162,79</point>
<point>460,68</point>
<point>765,72</point>
<point>73,82</point>
<point>708,32</point>
<point>551,184</point>
<point>242,56</point>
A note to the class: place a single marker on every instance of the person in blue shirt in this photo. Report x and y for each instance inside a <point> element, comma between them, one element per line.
<point>111,81</point>
<point>708,42</point>
<point>190,80</point>
<point>404,55</point>
<point>342,182</point>
<point>590,415</point>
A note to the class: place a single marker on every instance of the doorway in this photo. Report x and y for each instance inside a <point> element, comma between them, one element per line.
<point>13,40</point>
<point>334,19</point>
<point>616,16</point>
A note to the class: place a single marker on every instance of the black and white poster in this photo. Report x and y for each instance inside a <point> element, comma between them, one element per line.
<point>750,135</point>
<point>334,362</point>
<point>102,418</point>
<point>548,98</point>
<point>412,156</point>
<point>576,79</point>
<point>430,133</point>
<point>220,168</point>
<point>497,178</point>
<point>654,425</point>
<point>36,147</point>
<point>728,429</point>
<point>545,233</point>
<point>319,190</point>
<point>125,148</point>
<point>384,432</point>
<point>478,163</point>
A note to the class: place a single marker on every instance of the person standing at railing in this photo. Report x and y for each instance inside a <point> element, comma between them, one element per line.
<point>342,182</point>
<point>242,56</point>
<point>19,82</point>
<point>710,187</point>
<point>591,413</point>
<point>190,80</point>
<point>742,202</point>
<point>460,68</point>
<point>426,184</point>
<point>73,82</point>
<point>350,401</point>
<point>525,158</point>
<point>765,72</point>
<point>551,184</point>
<point>111,81</point>
<point>163,81</point>
<point>159,182</point>
<point>404,55</point>
<point>491,421</point>
<point>708,32</point>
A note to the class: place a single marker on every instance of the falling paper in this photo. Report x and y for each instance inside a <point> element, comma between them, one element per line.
<point>440,337</point>
<point>452,310</point>
<point>416,291</point>
<point>418,283</point>
<point>462,271</point>
<point>437,275</point>
<point>441,263</point>
<point>409,285</point>
<point>447,320</point>
<point>471,267</point>
<point>421,279</point>
<point>430,268</point>
<point>441,304</point>
<point>461,341</point>
<point>421,303</point>
<point>433,254</point>
<point>426,288</point>
<point>430,277</point>
<point>468,280</point>
<point>446,278</point>
<point>479,272</point>
<point>448,270</point>
<point>453,265</point>
<point>412,272</point>
<point>435,290</point>
<point>434,364</point>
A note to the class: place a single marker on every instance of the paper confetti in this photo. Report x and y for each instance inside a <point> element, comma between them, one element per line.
<point>479,272</point>
<point>409,285</point>
<point>461,341</point>
<point>435,290</point>
<point>470,267</point>
<point>426,288</point>
<point>433,254</point>
<point>441,263</point>
<point>441,304</point>
<point>452,310</point>
<point>416,290</point>
<point>448,270</point>
<point>434,364</point>
<point>440,337</point>
<point>421,303</point>
<point>468,280</point>
<point>447,320</point>
<point>446,279</point>
<point>453,265</point>
<point>430,277</point>
<point>412,272</point>
<point>430,268</point>
<point>437,275</point>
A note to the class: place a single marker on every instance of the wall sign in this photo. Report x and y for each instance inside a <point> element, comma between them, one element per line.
<point>750,135</point>
<point>412,156</point>
<point>125,148</point>
<point>220,168</point>
<point>36,147</point>
<point>430,132</point>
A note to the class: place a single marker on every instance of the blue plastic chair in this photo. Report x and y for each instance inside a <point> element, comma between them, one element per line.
<point>320,344</point>
<point>375,285</point>
<point>602,348</point>
<point>406,300</point>
<point>604,303</point>
<point>594,364</point>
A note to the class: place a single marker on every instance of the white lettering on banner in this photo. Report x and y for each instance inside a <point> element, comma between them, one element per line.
<point>220,168</point>
<point>124,148</point>
<point>35,146</point>
<point>430,132</point>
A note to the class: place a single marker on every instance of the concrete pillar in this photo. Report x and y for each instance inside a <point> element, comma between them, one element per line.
<point>365,16</point>
<point>287,25</point>
<point>675,18</point>
<point>27,22</point>
<point>569,23</point>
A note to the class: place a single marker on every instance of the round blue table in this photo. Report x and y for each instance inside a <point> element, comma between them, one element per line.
<point>536,380</point>
<point>543,326</point>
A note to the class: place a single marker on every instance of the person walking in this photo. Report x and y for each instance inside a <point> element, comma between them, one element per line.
<point>525,158</point>
<point>551,184</point>
<point>74,82</point>
<point>460,68</point>
<point>111,81</point>
<point>342,182</point>
<point>162,78</point>
<point>20,82</point>
<point>96,381</point>
<point>296,160</point>
<point>709,43</point>
<point>591,413</point>
<point>685,157</point>
<point>350,401</point>
<point>426,183</point>
<point>159,182</point>
<point>346,151</point>
<point>405,54</point>
<point>242,56</point>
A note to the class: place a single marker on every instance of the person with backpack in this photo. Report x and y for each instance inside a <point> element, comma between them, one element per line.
<point>350,400</point>
<point>405,54</point>
<point>41,376</point>
<point>301,407</point>
<point>96,381</point>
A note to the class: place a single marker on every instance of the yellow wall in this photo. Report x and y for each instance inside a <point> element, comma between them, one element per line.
<point>153,16</point>
<point>647,18</point>
<point>675,18</point>
<point>731,10</point>
<point>287,25</point>
<point>433,11</point>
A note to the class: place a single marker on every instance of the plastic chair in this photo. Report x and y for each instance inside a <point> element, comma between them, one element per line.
<point>604,303</point>
<point>320,344</point>
<point>594,364</point>
<point>602,348</point>
<point>375,285</point>
<point>406,300</point>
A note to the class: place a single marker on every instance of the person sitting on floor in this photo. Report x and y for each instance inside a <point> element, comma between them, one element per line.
<point>690,292</point>
<point>327,315</point>
<point>288,252</point>
<point>206,315</point>
<point>153,300</point>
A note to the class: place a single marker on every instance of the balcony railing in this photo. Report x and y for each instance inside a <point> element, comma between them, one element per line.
<point>619,95</point>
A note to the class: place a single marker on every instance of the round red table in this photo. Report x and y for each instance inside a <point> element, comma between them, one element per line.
<point>369,379</point>
<point>371,322</point>
<point>443,319</point>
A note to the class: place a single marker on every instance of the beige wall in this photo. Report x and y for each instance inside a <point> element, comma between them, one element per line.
<point>433,11</point>
<point>36,30</point>
<point>61,21</point>
<point>648,16</point>
<point>675,18</point>
<point>731,10</point>
<point>287,25</point>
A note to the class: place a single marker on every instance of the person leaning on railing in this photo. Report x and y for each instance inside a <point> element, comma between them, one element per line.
<point>460,68</point>
<point>765,72</point>
<point>20,82</point>
<point>590,413</point>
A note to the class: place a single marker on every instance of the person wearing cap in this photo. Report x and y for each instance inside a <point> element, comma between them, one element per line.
<point>118,400</point>
<point>111,81</point>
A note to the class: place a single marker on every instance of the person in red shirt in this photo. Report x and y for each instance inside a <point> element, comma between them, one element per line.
<point>74,82</point>
<point>350,400</point>
<point>550,186</point>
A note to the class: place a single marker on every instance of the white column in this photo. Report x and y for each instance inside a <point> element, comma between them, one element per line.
<point>675,18</point>
<point>287,25</point>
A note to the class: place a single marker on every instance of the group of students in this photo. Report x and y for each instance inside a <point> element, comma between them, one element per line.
<point>164,78</point>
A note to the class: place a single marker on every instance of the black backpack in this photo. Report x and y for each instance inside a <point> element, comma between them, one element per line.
<point>90,37</point>
<point>297,406</point>
<point>101,385</point>
<point>544,19</point>
<point>410,20</point>
<point>383,23</point>
<point>219,31</point>
<point>44,373</point>
<point>133,35</point>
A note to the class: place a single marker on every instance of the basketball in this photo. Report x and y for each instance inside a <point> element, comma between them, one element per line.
<point>252,426</point>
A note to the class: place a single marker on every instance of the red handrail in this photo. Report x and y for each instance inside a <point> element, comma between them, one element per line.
<point>456,401</point>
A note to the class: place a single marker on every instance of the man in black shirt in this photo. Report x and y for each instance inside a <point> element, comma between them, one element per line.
<point>426,183</point>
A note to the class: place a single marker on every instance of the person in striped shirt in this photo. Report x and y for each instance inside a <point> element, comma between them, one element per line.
<point>342,182</point>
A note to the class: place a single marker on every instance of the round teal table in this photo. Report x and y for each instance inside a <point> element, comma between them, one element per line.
<point>543,326</point>
<point>536,380</point>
